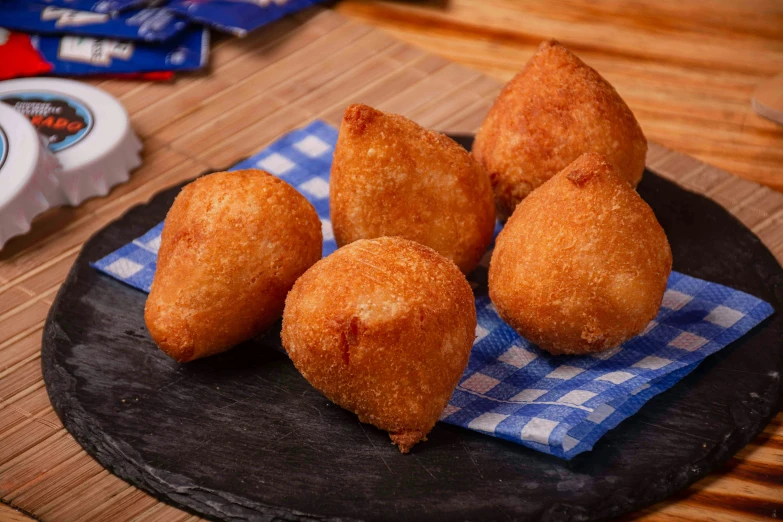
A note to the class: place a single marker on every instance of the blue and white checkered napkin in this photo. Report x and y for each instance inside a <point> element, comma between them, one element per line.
<point>556,404</point>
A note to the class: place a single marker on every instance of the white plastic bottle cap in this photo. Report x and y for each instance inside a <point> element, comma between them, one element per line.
<point>87,129</point>
<point>28,174</point>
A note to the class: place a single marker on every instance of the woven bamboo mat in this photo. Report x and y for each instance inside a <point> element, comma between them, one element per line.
<point>308,66</point>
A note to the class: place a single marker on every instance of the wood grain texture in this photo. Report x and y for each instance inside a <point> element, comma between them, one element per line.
<point>687,68</point>
<point>768,99</point>
<point>9,514</point>
<point>259,88</point>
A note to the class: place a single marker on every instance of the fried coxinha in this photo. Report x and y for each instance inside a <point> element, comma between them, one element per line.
<point>548,115</point>
<point>582,263</point>
<point>383,327</point>
<point>392,177</point>
<point>232,246</point>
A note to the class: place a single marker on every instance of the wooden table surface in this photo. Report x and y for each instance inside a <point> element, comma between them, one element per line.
<point>312,66</point>
<point>687,68</point>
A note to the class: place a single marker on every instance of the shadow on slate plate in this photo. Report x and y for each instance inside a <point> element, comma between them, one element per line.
<point>242,436</point>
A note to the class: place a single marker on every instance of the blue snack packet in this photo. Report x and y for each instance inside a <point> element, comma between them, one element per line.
<point>152,25</point>
<point>80,55</point>
<point>237,16</point>
<point>98,6</point>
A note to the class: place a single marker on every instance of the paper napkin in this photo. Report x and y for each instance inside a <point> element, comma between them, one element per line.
<point>511,389</point>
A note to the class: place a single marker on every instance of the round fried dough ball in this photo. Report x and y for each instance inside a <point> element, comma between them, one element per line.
<point>582,264</point>
<point>392,177</point>
<point>548,115</point>
<point>383,327</point>
<point>232,246</point>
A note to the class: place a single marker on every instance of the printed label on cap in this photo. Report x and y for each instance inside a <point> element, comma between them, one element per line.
<point>62,120</point>
<point>3,147</point>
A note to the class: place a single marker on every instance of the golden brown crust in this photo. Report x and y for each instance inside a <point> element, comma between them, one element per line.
<point>582,263</point>
<point>548,115</point>
<point>383,327</point>
<point>232,246</point>
<point>391,177</point>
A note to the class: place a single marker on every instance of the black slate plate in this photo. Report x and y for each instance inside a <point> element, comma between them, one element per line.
<point>242,436</point>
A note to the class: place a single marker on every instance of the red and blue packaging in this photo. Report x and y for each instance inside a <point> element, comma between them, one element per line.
<point>148,39</point>
<point>78,55</point>
<point>100,6</point>
<point>151,24</point>
<point>19,58</point>
<point>26,55</point>
<point>237,17</point>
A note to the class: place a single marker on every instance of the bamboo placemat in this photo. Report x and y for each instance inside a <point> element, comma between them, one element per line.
<point>309,66</point>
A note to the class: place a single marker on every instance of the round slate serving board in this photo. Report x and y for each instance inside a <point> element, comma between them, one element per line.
<point>242,436</point>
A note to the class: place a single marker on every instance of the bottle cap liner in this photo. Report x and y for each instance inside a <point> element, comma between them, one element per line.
<point>29,183</point>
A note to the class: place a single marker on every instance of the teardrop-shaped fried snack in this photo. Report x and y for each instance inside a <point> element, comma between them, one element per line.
<point>582,264</point>
<point>232,246</point>
<point>547,116</point>
<point>392,177</point>
<point>383,327</point>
